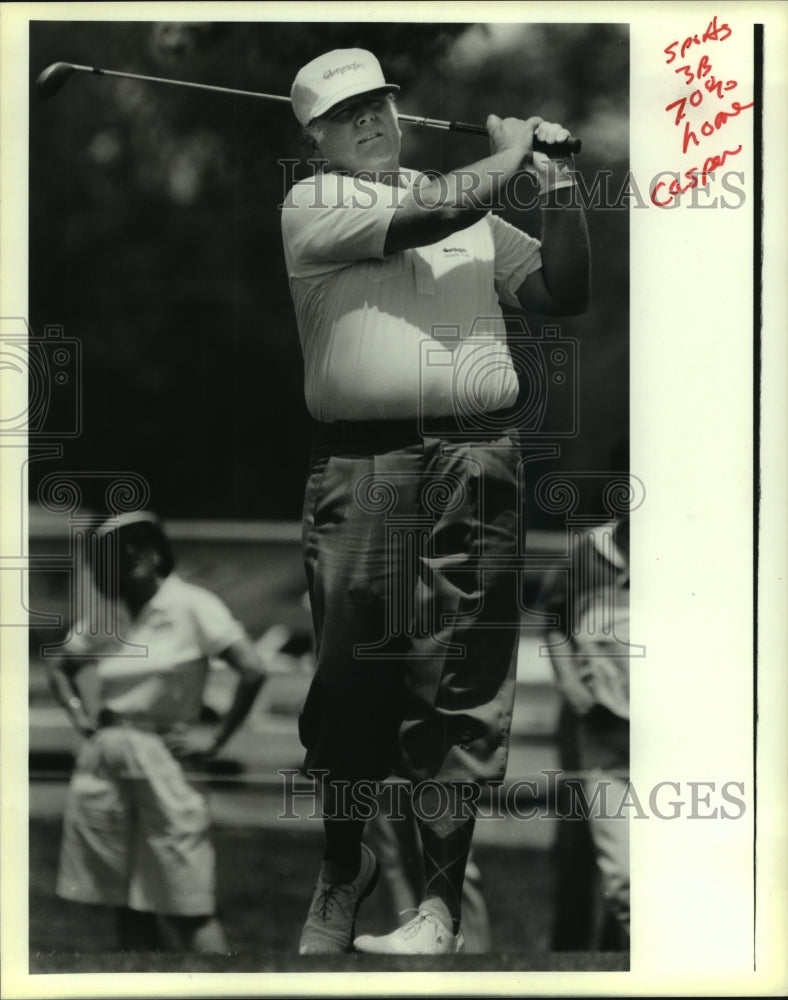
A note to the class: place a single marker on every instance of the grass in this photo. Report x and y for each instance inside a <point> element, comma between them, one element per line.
<point>265,879</point>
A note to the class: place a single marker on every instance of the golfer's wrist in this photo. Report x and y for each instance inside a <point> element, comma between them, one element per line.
<point>556,175</point>
<point>508,159</point>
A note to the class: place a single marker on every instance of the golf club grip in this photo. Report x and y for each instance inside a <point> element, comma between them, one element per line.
<point>572,145</point>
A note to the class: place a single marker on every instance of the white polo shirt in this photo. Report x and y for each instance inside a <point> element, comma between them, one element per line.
<point>153,668</point>
<point>419,333</point>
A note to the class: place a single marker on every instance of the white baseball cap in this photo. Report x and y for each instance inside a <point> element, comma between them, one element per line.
<point>331,78</point>
<point>126,519</point>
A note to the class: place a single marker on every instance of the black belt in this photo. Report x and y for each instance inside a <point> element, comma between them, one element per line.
<point>474,427</point>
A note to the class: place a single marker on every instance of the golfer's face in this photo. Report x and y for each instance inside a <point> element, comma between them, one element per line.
<point>361,134</point>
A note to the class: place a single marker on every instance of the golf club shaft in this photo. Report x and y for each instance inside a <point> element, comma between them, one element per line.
<point>97,71</point>
<point>46,88</point>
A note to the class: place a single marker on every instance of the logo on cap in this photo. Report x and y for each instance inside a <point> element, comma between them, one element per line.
<point>342,69</point>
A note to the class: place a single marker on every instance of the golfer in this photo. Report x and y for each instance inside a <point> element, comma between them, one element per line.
<point>413,499</point>
<point>135,831</point>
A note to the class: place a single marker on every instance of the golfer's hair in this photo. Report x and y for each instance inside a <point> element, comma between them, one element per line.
<point>310,139</point>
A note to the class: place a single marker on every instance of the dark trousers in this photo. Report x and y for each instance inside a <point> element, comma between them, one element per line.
<point>411,549</point>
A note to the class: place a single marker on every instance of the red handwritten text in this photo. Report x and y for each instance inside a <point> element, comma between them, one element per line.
<point>697,73</point>
<point>696,178</point>
<point>695,99</point>
<point>713,33</point>
<point>707,128</point>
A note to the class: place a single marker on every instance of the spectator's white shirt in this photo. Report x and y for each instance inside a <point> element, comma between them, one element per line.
<point>153,668</point>
<point>419,333</point>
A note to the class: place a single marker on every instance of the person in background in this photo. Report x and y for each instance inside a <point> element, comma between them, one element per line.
<point>136,829</point>
<point>588,648</point>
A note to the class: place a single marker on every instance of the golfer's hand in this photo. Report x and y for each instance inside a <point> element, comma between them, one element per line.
<point>552,171</point>
<point>511,134</point>
<point>186,742</point>
<point>549,133</point>
<point>547,168</point>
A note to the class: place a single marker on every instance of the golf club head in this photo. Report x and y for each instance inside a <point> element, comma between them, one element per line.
<point>53,79</point>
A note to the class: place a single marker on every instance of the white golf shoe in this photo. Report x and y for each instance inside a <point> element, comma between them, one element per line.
<point>330,924</point>
<point>425,934</point>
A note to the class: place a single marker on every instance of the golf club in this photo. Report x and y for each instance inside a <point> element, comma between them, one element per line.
<point>52,80</point>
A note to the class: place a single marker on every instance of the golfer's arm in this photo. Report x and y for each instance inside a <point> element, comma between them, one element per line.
<point>440,206</point>
<point>563,284</point>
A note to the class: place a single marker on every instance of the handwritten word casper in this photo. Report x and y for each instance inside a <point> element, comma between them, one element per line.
<point>697,178</point>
